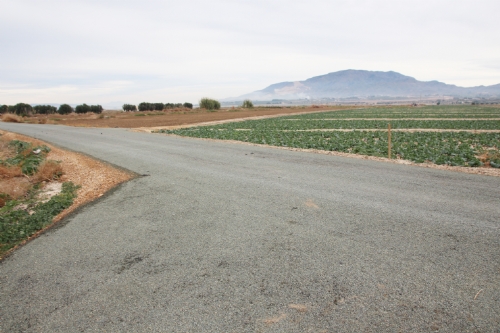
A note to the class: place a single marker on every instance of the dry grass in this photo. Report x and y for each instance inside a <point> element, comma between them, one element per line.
<point>6,151</point>
<point>48,171</point>
<point>16,187</point>
<point>7,172</point>
<point>13,183</point>
<point>11,118</point>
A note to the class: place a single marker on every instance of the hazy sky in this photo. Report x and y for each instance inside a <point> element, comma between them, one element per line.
<point>124,51</point>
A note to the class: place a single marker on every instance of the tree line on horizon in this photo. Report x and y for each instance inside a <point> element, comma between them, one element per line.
<point>23,109</point>
<point>144,106</point>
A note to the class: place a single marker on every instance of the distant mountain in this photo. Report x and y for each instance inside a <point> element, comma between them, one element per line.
<point>360,83</point>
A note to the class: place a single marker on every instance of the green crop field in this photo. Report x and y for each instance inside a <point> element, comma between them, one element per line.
<point>436,134</point>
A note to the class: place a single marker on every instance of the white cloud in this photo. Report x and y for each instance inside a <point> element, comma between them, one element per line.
<point>180,51</point>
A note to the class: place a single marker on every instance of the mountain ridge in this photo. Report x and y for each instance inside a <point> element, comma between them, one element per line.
<point>363,83</point>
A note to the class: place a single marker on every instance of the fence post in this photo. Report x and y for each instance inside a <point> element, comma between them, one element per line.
<point>389,139</point>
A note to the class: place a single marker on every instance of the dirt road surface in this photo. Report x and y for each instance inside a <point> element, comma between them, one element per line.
<point>234,238</point>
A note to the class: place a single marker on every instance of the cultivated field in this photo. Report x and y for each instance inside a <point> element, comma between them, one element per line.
<point>171,117</point>
<point>467,136</point>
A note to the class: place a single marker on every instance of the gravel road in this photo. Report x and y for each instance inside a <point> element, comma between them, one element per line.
<point>226,237</point>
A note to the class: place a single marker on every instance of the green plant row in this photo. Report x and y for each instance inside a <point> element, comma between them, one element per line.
<point>457,149</point>
<point>17,224</point>
<point>447,111</point>
<point>307,124</point>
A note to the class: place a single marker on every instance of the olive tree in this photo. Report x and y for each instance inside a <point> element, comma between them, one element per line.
<point>84,108</point>
<point>45,109</point>
<point>129,107</point>
<point>96,109</point>
<point>21,109</point>
<point>65,109</point>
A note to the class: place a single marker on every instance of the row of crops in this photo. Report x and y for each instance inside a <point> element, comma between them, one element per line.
<point>311,124</point>
<point>434,111</point>
<point>451,148</point>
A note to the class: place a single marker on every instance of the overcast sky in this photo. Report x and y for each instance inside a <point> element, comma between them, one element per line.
<point>123,51</point>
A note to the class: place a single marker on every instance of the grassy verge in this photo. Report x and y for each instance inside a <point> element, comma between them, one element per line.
<point>24,170</point>
<point>17,224</point>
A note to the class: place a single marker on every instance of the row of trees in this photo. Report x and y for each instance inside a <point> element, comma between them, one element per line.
<point>212,104</point>
<point>23,109</point>
<point>144,106</point>
<point>205,103</point>
<point>129,107</point>
<point>84,108</point>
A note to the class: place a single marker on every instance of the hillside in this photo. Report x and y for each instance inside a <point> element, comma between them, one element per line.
<point>361,83</point>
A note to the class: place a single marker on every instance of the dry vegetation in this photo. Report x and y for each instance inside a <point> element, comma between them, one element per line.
<point>93,177</point>
<point>14,183</point>
<point>11,118</point>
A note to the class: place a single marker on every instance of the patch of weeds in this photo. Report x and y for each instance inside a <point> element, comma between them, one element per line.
<point>139,115</point>
<point>17,224</point>
<point>27,157</point>
<point>21,213</point>
<point>56,119</point>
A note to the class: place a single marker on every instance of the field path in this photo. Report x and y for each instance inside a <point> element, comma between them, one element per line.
<point>218,237</point>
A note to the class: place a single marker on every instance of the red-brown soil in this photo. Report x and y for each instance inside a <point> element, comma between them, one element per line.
<point>169,118</point>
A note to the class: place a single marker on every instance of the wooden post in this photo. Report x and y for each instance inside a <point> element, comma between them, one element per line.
<point>389,139</point>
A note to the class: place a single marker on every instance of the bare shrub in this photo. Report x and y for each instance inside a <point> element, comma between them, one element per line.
<point>247,104</point>
<point>47,171</point>
<point>11,118</point>
<point>209,104</point>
